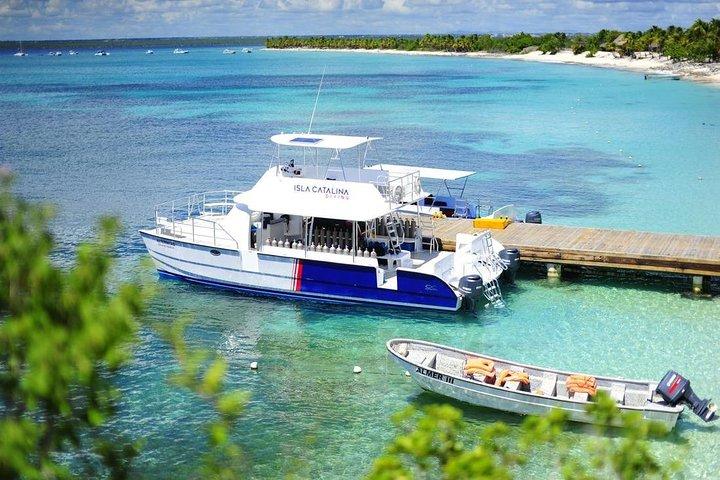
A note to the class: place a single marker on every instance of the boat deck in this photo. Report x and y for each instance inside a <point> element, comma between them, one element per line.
<point>596,247</point>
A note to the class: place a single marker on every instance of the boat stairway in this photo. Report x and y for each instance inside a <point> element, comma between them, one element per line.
<point>393,223</point>
<point>493,293</point>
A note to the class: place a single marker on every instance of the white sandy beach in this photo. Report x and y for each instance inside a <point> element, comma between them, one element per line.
<point>645,63</point>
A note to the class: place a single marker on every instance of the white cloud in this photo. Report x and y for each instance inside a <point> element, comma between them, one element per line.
<point>395,6</point>
<point>121,18</point>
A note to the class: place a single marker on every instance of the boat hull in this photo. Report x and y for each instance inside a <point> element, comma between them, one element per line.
<point>468,390</point>
<point>261,273</point>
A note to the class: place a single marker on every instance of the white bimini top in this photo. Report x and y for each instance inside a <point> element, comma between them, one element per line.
<point>315,140</point>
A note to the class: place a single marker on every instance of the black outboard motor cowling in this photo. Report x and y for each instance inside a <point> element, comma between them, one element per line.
<point>512,258</point>
<point>533,217</point>
<point>674,389</point>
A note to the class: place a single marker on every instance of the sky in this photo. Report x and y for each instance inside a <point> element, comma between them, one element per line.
<point>100,19</point>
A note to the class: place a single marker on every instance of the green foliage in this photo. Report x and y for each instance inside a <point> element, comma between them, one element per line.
<point>62,337</point>
<point>577,44</point>
<point>430,446</point>
<point>700,43</point>
<point>204,376</point>
<point>551,43</point>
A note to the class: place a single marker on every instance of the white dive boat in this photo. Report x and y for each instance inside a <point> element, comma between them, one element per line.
<point>179,51</point>
<point>530,390</point>
<point>320,225</point>
<point>228,51</point>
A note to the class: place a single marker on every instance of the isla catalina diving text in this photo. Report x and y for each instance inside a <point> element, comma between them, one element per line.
<point>329,192</point>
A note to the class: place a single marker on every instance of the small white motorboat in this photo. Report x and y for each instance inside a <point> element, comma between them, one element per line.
<point>529,390</point>
<point>101,53</point>
<point>72,52</point>
<point>247,50</point>
<point>325,227</point>
<point>228,51</point>
<point>180,51</point>
<point>149,52</point>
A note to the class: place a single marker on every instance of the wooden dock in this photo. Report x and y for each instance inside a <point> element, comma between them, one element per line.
<point>696,255</point>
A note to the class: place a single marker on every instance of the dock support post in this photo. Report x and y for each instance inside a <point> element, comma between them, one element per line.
<point>554,270</point>
<point>697,284</point>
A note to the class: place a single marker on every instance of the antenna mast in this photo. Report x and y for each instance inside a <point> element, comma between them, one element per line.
<point>316,99</point>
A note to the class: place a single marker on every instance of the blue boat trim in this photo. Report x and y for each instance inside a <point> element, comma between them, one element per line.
<point>292,295</point>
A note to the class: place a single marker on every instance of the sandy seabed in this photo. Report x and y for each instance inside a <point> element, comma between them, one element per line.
<point>644,62</point>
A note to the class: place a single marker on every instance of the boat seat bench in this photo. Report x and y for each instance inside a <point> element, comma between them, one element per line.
<point>617,392</point>
<point>545,385</point>
<point>424,358</point>
<point>449,365</point>
<point>514,385</point>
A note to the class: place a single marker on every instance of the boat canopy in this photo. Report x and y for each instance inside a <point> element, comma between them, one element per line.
<point>309,197</point>
<point>425,172</point>
<point>315,140</point>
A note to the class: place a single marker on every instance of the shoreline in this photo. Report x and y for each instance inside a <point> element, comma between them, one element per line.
<point>705,73</point>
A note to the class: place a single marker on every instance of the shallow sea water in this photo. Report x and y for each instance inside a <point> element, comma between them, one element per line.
<point>585,146</point>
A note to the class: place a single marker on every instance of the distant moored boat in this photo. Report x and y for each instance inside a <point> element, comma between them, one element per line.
<point>179,51</point>
<point>662,76</point>
<point>20,53</point>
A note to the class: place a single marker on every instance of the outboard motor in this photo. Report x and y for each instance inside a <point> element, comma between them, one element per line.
<point>675,389</point>
<point>533,217</point>
<point>471,286</point>
<point>512,258</point>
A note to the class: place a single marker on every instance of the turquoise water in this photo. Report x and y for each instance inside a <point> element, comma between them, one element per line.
<point>585,146</point>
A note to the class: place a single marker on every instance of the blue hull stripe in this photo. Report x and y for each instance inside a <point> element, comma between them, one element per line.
<point>298,295</point>
<point>360,282</point>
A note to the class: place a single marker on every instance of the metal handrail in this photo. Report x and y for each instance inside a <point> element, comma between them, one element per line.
<point>172,215</point>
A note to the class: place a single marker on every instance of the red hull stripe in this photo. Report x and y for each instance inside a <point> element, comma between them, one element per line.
<point>297,275</point>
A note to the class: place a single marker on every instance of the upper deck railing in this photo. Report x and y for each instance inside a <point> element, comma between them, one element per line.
<point>194,218</point>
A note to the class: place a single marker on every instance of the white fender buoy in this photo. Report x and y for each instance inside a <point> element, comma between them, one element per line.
<point>407,374</point>
<point>357,369</point>
<point>253,365</point>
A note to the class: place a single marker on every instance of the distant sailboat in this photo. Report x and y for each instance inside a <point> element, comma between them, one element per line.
<point>20,53</point>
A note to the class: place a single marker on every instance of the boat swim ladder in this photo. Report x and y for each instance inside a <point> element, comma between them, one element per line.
<point>394,227</point>
<point>491,291</point>
<point>492,262</point>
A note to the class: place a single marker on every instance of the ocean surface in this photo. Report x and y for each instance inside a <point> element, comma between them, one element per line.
<point>585,146</point>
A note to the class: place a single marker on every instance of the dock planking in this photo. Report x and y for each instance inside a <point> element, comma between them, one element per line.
<point>597,247</point>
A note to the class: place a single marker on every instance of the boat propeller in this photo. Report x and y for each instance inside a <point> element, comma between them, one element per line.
<point>675,389</point>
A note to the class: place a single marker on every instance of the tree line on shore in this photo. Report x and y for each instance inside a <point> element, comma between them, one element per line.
<point>698,43</point>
